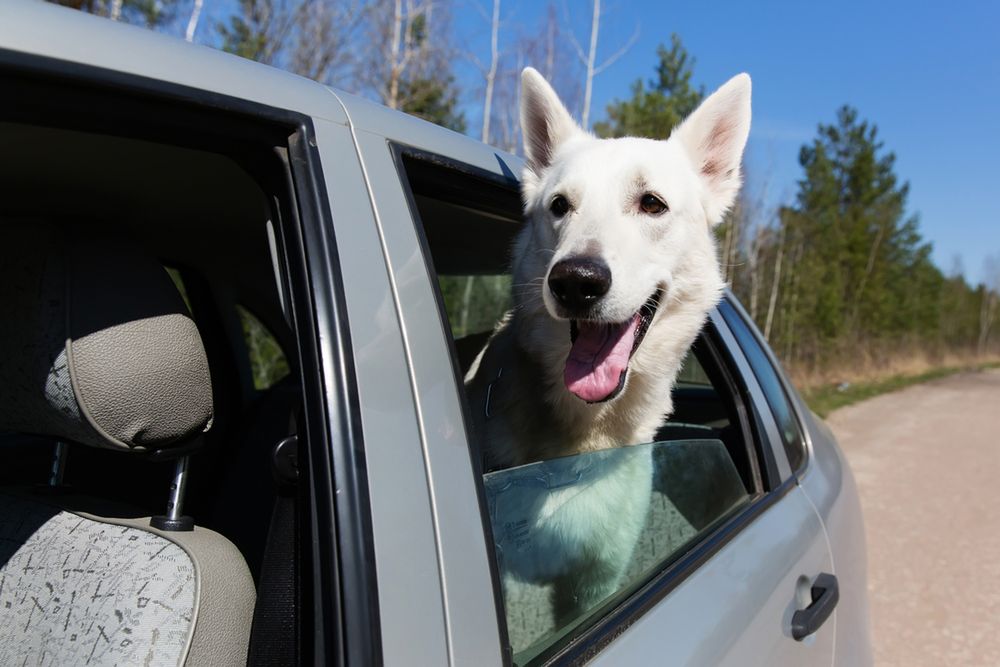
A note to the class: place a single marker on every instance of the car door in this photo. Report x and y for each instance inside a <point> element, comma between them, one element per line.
<point>735,606</point>
<point>721,583</point>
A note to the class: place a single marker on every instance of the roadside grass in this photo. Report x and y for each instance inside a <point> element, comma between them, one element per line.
<point>825,399</point>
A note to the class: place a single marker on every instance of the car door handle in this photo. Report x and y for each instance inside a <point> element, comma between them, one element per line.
<point>825,595</point>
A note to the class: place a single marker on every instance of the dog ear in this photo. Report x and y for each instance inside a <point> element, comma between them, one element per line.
<point>714,136</point>
<point>545,122</point>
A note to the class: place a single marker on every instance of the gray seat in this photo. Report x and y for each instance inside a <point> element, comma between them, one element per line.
<point>97,349</point>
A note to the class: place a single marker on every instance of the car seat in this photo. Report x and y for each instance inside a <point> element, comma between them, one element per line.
<point>97,349</point>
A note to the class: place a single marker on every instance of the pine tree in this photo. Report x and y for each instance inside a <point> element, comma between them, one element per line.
<point>656,107</point>
<point>257,30</point>
<point>434,99</point>
<point>865,274</point>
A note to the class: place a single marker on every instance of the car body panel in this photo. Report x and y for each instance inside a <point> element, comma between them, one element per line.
<point>467,590</point>
<point>413,626</point>
<point>736,608</point>
<point>369,118</point>
<point>828,482</point>
<point>80,38</point>
<point>830,485</point>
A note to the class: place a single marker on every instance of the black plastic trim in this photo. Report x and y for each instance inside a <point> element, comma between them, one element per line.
<point>709,343</point>
<point>735,310</point>
<point>349,546</point>
<point>166,524</point>
<point>770,476</point>
<point>825,594</point>
<point>345,627</point>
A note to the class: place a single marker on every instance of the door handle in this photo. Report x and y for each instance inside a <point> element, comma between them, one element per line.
<point>825,595</point>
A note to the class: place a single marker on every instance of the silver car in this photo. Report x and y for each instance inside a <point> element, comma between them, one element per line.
<point>282,451</point>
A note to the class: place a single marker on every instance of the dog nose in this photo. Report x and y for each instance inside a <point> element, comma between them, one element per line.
<point>579,282</point>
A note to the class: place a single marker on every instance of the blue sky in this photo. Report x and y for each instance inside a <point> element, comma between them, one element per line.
<point>928,74</point>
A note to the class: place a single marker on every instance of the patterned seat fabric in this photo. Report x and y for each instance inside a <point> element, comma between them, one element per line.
<point>75,591</point>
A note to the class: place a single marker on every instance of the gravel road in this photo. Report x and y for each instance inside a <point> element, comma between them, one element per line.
<point>927,463</point>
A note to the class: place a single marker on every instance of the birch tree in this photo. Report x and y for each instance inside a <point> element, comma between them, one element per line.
<point>589,59</point>
<point>407,65</point>
<point>192,25</point>
<point>491,71</point>
<point>148,13</point>
<point>325,41</point>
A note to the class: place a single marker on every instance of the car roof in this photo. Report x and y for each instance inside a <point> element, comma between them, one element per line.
<point>52,31</point>
<point>48,30</point>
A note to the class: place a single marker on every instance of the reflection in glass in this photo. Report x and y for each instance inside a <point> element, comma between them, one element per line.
<point>573,532</point>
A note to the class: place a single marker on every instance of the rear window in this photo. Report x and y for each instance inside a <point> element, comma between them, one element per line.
<point>649,504</point>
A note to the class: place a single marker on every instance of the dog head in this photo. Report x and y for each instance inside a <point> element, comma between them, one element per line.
<point>619,238</point>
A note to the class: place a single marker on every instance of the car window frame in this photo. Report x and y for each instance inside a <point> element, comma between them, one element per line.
<point>401,153</point>
<point>336,552</point>
<point>791,395</point>
<point>757,423</point>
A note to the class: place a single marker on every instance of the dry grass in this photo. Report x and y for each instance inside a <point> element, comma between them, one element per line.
<point>867,365</point>
<point>868,374</point>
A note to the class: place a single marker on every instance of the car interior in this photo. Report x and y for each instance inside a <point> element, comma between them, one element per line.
<point>148,371</point>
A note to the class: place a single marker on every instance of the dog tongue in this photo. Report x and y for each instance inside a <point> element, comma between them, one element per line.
<point>598,358</point>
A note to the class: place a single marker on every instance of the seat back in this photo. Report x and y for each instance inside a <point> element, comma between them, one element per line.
<point>99,351</point>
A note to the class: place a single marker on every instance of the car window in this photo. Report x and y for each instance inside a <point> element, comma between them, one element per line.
<point>770,384</point>
<point>574,536</point>
<point>694,484</point>
<point>267,360</point>
<point>473,302</point>
<point>175,275</point>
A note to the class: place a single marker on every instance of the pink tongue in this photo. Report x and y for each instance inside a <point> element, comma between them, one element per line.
<point>598,358</point>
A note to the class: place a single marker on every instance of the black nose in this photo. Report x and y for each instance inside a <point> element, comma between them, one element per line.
<point>579,282</point>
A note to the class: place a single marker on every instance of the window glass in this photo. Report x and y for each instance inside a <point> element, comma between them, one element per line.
<point>552,577</point>
<point>267,360</point>
<point>175,276</point>
<point>770,384</point>
<point>575,535</point>
<point>474,303</point>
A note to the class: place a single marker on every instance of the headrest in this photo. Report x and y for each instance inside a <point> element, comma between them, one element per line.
<point>96,344</point>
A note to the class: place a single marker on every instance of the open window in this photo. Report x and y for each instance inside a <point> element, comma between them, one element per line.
<point>201,186</point>
<point>702,469</point>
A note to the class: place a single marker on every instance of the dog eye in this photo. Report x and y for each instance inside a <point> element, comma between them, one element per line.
<point>652,204</point>
<point>559,206</point>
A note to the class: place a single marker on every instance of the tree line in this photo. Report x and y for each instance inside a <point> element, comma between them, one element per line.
<point>837,277</point>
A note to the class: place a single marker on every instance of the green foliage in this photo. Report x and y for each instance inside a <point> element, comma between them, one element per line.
<point>429,92</point>
<point>824,400</point>
<point>433,99</point>
<point>474,304</point>
<point>267,360</point>
<point>858,281</point>
<point>657,107</point>
<point>866,272</point>
<point>256,31</point>
<point>148,13</point>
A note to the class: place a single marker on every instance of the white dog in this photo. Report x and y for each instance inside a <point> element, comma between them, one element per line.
<point>614,274</point>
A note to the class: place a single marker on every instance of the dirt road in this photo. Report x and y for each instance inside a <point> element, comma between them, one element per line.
<point>927,462</point>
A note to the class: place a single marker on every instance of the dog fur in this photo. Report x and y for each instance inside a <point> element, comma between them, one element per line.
<point>523,408</point>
